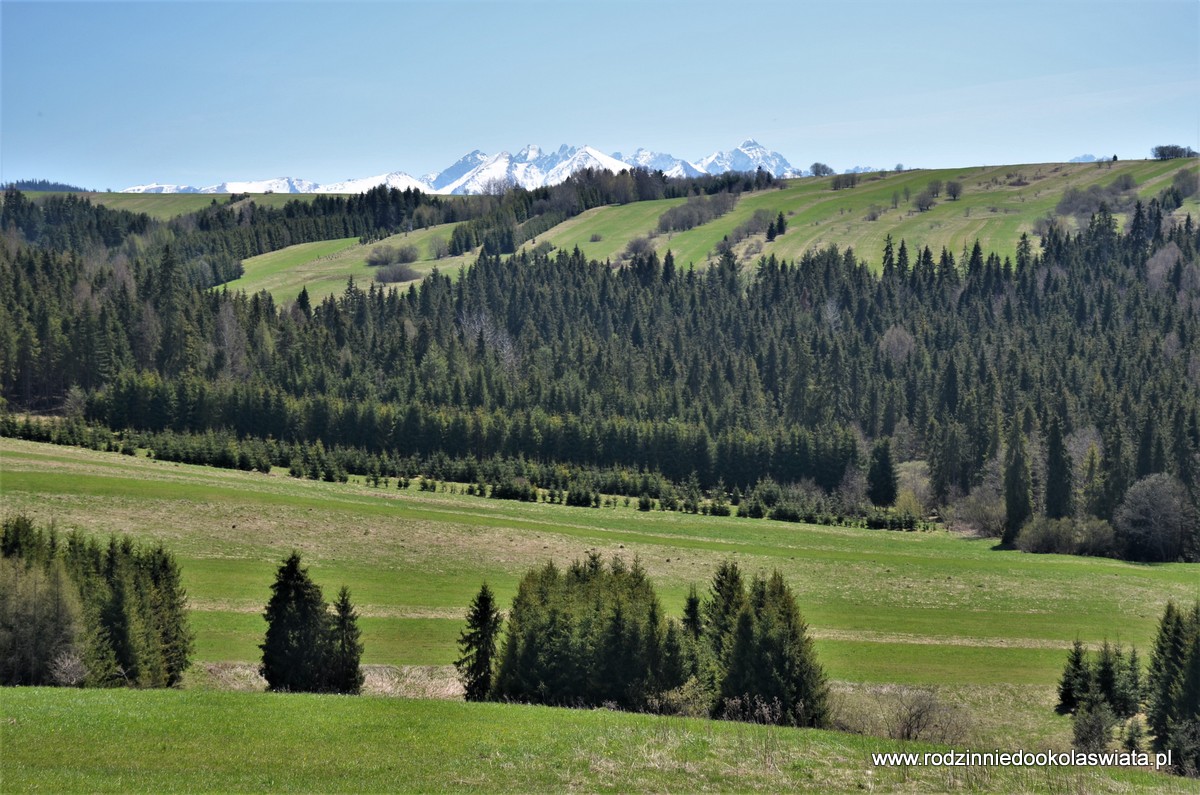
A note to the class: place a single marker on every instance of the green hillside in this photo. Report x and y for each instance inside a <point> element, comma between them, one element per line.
<point>994,208</point>
<point>927,608</point>
<point>324,267</point>
<point>998,204</point>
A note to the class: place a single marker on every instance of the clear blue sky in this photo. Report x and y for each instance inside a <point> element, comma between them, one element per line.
<point>109,95</point>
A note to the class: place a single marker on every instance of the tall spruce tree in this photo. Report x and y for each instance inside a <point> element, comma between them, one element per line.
<point>345,647</point>
<point>294,652</point>
<point>477,645</point>
<point>881,477</point>
<point>1018,500</point>
<point>721,610</point>
<point>1076,681</point>
<point>1060,486</point>
<point>771,669</point>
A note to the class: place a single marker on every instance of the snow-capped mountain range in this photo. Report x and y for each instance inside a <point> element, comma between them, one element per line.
<point>532,167</point>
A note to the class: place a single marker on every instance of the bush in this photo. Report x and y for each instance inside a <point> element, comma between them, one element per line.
<point>1067,536</point>
<point>389,255</point>
<point>638,247</point>
<point>844,181</point>
<point>1172,151</point>
<point>696,211</point>
<point>1092,726</point>
<point>1118,196</point>
<point>981,511</point>
<point>391,274</point>
<point>1157,521</point>
<point>439,247</point>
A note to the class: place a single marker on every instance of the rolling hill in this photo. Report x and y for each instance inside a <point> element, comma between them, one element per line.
<point>998,204</point>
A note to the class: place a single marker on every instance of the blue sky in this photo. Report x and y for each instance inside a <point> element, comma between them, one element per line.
<point>108,95</point>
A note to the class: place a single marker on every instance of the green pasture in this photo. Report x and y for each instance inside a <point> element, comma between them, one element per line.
<point>926,608</point>
<point>64,740</point>
<point>991,209</point>
<point>323,267</point>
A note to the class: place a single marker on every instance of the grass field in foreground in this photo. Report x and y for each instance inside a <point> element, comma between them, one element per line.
<point>910,608</point>
<point>62,740</point>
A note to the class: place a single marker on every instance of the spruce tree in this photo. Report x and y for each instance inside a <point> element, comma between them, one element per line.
<point>477,645</point>
<point>692,623</point>
<point>1076,681</point>
<point>294,649</point>
<point>345,647</point>
<point>1164,677</point>
<point>881,477</point>
<point>1060,488</point>
<point>721,610</point>
<point>169,604</point>
<point>1018,500</point>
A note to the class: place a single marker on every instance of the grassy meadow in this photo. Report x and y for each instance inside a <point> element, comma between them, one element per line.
<point>994,208</point>
<point>988,628</point>
<point>323,267</point>
<point>171,741</point>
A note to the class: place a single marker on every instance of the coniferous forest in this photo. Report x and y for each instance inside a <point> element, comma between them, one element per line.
<point>1052,398</point>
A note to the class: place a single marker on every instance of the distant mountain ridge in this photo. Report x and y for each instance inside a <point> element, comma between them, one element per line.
<point>532,167</point>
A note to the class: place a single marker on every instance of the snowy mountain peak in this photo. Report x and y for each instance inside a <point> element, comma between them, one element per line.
<point>439,180</point>
<point>155,187</point>
<point>277,185</point>
<point>530,153</point>
<point>396,179</point>
<point>532,167</point>
<point>750,156</point>
<point>670,165</point>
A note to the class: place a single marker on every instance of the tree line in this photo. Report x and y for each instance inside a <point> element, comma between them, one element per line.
<point>77,612</point>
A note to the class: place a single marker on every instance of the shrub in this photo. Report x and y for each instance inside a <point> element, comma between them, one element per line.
<point>391,274</point>
<point>1092,726</point>
<point>1067,536</point>
<point>1156,521</point>
<point>439,247</point>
